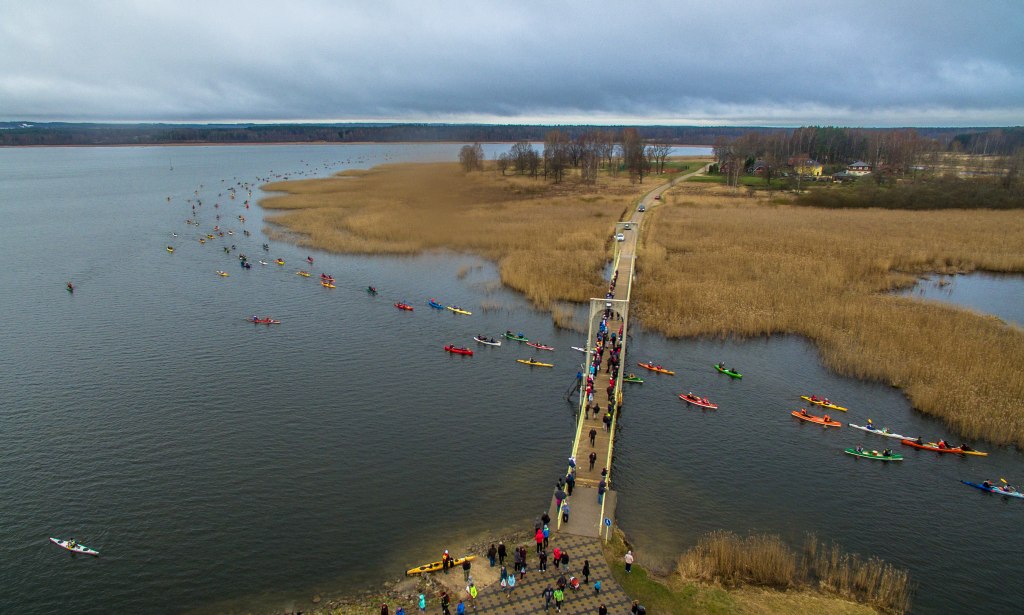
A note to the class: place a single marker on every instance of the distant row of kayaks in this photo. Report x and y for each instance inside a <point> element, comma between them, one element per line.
<point>938,447</point>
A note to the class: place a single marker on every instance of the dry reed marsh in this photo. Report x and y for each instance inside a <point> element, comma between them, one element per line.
<point>715,263</point>
<point>550,241</point>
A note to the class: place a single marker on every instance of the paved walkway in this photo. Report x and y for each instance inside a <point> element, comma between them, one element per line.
<point>527,597</point>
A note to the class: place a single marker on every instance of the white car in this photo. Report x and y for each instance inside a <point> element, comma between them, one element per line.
<point>620,237</point>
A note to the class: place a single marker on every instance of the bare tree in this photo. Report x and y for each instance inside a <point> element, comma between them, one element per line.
<point>502,162</point>
<point>521,153</point>
<point>471,157</point>
<point>556,154</point>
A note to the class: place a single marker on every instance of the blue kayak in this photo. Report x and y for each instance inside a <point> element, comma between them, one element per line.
<point>994,489</point>
<point>435,305</point>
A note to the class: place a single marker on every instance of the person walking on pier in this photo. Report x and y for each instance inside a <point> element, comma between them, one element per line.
<point>543,557</point>
<point>501,553</point>
<point>556,557</point>
<point>559,596</point>
<point>601,488</point>
<point>565,561</point>
<point>570,482</point>
<point>548,594</point>
<point>593,436</point>
<point>565,511</point>
<point>593,460</point>
<point>559,496</point>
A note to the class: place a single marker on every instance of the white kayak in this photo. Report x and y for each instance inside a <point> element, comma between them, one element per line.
<point>578,348</point>
<point>498,343</point>
<point>77,548</point>
<point>881,432</point>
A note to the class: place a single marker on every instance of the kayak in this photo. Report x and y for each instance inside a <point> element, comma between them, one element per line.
<point>484,341</point>
<point>435,305</point>
<point>534,363</point>
<point>729,372</point>
<point>404,306</point>
<point>436,566</point>
<point>578,348</point>
<point>459,310</point>
<point>697,401</point>
<point>932,446</point>
<point>304,274</point>
<point>327,285</point>
<point>65,544</point>
<point>633,379</point>
<point>170,249</point>
<point>222,274</point>
<point>454,350</point>
<point>882,432</point>
<point>823,403</point>
<point>539,346</point>
<point>994,489</point>
<point>815,419</point>
<point>873,455</point>
<point>657,368</point>
<point>279,262</point>
<point>372,290</point>
<point>263,321</point>
<point>517,338</point>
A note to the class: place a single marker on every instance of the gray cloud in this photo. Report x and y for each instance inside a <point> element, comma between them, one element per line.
<point>866,63</point>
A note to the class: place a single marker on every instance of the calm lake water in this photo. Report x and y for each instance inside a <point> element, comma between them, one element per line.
<point>986,293</point>
<point>221,466</point>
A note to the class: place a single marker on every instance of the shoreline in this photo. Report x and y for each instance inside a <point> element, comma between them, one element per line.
<point>236,144</point>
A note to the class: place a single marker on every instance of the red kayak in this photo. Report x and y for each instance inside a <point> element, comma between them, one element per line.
<point>820,420</point>
<point>403,306</point>
<point>264,321</point>
<point>697,401</point>
<point>540,346</point>
<point>932,446</point>
<point>456,350</point>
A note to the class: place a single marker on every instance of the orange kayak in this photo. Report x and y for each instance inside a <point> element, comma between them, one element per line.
<point>657,368</point>
<point>932,446</point>
<point>820,420</point>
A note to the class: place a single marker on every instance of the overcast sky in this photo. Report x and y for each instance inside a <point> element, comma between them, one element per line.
<point>859,62</point>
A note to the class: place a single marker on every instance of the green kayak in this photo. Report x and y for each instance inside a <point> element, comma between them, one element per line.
<point>517,338</point>
<point>873,455</point>
<point>633,379</point>
<point>728,372</point>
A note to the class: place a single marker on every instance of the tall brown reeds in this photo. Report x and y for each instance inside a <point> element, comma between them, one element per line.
<point>714,264</point>
<point>764,560</point>
<point>549,240</point>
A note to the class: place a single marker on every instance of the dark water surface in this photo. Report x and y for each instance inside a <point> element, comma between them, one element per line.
<point>219,465</point>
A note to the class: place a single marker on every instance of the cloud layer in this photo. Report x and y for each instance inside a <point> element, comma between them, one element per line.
<point>778,63</point>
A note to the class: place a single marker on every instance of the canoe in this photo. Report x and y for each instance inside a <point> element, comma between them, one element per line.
<point>539,346</point>
<point>634,380</point>
<point>820,420</point>
<point>697,401</point>
<point>64,544</point>
<point>327,285</point>
<point>435,305</point>
<point>995,489</point>
<point>932,446</point>
<point>823,404</point>
<point>436,566</point>
<point>728,372</point>
<point>873,455</point>
<point>657,368</point>
<point>404,306</point>
<point>489,343</point>
<point>881,432</point>
<point>304,274</point>
<point>455,350</point>
<point>534,363</point>
<point>458,310</point>
<point>517,338</point>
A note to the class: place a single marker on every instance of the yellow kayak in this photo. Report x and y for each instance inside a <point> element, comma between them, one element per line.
<point>304,274</point>
<point>823,403</point>
<point>459,310</point>
<point>435,566</point>
<point>170,249</point>
<point>222,274</point>
<point>534,363</point>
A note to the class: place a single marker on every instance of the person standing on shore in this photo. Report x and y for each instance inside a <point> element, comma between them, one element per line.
<point>557,557</point>
<point>472,591</point>
<point>539,539</point>
<point>384,609</point>
<point>445,603</point>
<point>517,558</point>
<point>501,553</point>
<point>546,532</point>
<point>460,608</point>
<point>543,557</point>
<point>522,563</point>
<point>545,519</point>
<point>423,603</point>
<point>511,581</point>
<point>586,571</point>
<point>628,558</point>
<point>446,561</point>
<point>465,569</point>
<point>503,574</point>
<point>602,610</point>
<point>565,561</point>
<point>492,554</point>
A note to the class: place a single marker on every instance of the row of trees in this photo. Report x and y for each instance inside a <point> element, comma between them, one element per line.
<point>586,152</point>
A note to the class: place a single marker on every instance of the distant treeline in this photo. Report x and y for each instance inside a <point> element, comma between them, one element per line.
<point>60,133</point>
<point>938,193</point>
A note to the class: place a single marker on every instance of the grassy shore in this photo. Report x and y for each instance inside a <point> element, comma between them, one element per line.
<point>717,264</point>
<point>550,240</point>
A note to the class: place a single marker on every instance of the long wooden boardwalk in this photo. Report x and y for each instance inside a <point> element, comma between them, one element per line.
<point>589,519</point>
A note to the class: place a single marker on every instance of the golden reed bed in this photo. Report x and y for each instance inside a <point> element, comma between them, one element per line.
<point>714,263</point>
